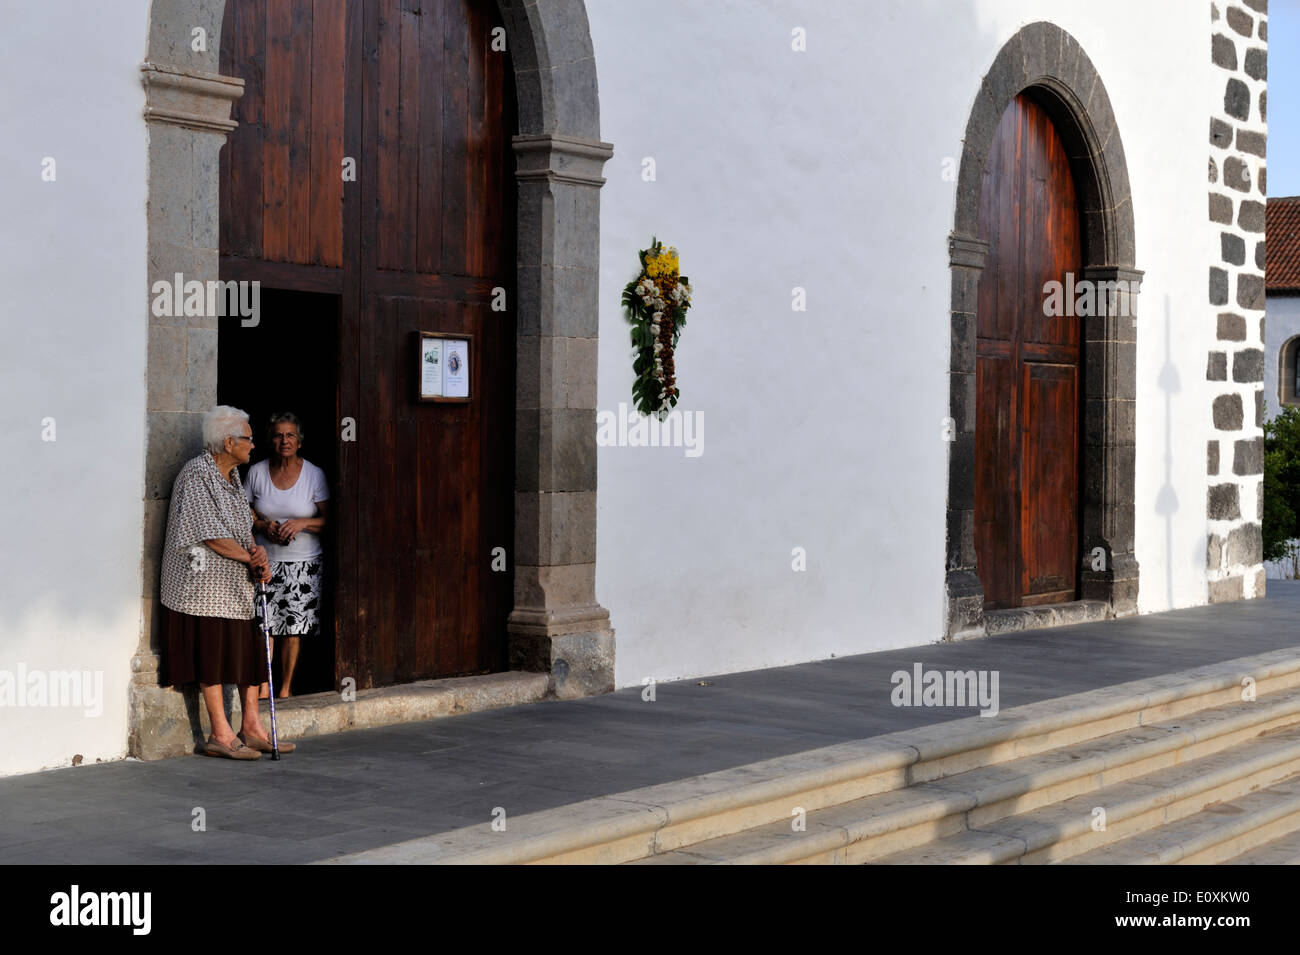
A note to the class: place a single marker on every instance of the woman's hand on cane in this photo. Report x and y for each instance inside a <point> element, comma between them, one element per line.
<point>260,563</point>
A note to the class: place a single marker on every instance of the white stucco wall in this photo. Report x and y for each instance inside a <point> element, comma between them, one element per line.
<point>1281,322</point>
<point>823,170</point>
<point>72,253</point>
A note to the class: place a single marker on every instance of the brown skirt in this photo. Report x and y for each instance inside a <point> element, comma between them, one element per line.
<point>211,650</point>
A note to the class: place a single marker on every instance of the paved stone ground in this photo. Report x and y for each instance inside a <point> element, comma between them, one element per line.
<point>369,788</point>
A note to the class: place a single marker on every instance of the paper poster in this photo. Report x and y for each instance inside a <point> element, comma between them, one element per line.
<point>455,376</point>
<point>431,367</point>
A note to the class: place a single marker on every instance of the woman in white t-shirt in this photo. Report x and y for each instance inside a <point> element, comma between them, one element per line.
<point>288,495</point>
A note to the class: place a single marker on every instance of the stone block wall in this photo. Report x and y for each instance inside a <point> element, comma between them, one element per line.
<point>1235,367</point>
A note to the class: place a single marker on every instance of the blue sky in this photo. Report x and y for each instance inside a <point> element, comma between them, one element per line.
<point>1284,98</point>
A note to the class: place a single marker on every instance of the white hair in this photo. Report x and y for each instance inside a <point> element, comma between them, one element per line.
<point>220,423</point>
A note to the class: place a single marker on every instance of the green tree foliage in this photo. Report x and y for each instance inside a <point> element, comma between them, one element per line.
<point>1281,482</point>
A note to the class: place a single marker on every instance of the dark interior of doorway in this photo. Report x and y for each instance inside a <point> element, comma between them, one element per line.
<point>288,361</point>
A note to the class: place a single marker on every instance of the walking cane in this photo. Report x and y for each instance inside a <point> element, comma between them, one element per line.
<point>270,685</point>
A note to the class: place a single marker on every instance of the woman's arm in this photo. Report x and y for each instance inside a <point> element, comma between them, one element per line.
<point>317,523</point>
<point>313,525</point>
<point>230,548</point>
<point>265,526</point>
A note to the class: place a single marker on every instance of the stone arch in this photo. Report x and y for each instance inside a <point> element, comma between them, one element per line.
<point>1288,370</point>
<point>1049,64</point>
<point>556,625</point>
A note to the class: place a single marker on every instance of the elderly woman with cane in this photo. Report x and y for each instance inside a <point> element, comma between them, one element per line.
<point>209,561</point>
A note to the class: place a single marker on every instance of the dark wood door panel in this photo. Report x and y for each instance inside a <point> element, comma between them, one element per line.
<point>1049,478</point>
<point>282,168</point>
<point>1027,368</point>
<point>998,508</point>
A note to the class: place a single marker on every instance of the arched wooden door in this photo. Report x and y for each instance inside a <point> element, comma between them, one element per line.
<point>1028,369</point>
<point>372,162</point>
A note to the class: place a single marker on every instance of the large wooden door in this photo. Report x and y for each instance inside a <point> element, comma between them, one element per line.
<point>373,161</point>
<point>1028,369</point>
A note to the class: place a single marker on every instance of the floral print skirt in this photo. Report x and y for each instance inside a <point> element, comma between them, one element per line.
<point>293,598</point>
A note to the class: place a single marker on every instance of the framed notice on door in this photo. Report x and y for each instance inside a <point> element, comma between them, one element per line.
<point>444,372</point>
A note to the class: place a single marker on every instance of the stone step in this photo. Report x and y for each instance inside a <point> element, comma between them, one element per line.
<point>314,714</point>
<point>1284,850</point>
<point>1135,807</point>
<point>660,819</point>
<point>1064,783</point>
<point>997,622</point>
<point>1218,833</point>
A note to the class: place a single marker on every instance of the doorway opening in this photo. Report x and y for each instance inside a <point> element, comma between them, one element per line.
<point>288,361</point>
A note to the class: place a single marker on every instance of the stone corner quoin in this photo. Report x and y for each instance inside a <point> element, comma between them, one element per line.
<point>1237,190</point>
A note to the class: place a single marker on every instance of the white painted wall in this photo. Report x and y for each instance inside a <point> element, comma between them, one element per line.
<point>822,429</point>
<point>1282,321</point>
<point>72,261</point>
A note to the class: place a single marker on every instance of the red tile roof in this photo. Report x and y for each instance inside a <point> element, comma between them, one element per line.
<point>1282,245</point>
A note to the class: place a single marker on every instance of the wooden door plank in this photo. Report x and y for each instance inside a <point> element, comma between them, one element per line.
<point>275,154</point>
<point>242,197</point>
<point>431,88</point>
<point>383,116</point>
<point>298,197</point>
<point>455,145</point>
<point>407,145</point>
<point>326,133</point>
<point>403,473</point>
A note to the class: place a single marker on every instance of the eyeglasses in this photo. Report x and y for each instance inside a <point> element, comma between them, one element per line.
<point>241,437</point>
<point>277,437</point>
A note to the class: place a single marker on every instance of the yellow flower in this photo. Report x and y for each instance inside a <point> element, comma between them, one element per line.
<point>664,262</point>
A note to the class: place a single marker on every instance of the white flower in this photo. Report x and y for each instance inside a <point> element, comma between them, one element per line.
<point>645,300</point>
<point>658,315</point>
<point>659,346</point>
<point>654,328</point>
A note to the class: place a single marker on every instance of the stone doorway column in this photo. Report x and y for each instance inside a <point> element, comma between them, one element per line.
<point>557,626</point>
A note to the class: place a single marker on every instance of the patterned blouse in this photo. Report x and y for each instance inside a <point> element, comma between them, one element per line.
<point>196,579</point>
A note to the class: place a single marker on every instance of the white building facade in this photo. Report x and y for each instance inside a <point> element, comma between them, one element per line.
<point>819,169</point>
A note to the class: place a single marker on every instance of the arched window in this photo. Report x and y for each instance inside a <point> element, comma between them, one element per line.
<point>1288,372</point>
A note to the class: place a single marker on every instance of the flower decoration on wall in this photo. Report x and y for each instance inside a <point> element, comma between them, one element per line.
<point>655,302</point>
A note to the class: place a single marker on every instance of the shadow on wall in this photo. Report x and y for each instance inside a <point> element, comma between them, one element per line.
<point>1167,498</point>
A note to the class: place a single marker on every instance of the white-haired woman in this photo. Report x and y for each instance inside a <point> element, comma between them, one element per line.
<point>209,562</point>
<point>288,495</point>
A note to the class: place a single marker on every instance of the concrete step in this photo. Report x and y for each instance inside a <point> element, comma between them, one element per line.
<point>1284,850</point>
<point>1052,795</point>
<point>1138,807</point>
<point>1218,833</point>
<point>1150,723</point>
